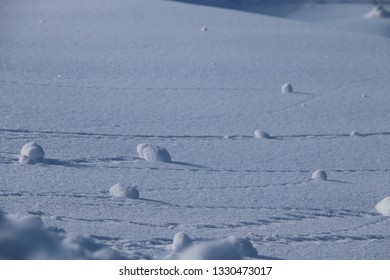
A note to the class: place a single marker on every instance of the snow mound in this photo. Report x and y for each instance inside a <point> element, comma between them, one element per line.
<point>287,88</point>
<point>378,12</point>
<point>319,175</point>
<point>181,241</point>
<point>231,248</point>
<point>118,190</point>
<point>383,206</point>
<point>354,133</point>
<point>153,153</point>
<point>31,153</point>
<point>25,238</point>
<point>261,134</point>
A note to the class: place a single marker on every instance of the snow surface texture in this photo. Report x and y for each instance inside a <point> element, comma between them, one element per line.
<point>26,238</point>
<point>119,190</point>
<point>89,79</point>
<point>31,153</point>
<point>153,153</point>
<point>383,206</point>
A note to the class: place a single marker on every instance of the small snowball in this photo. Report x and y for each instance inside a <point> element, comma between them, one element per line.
<point>203,29</point>
<point>378,12</point>
<point>261,134</point>
<point>319,175</point>
<point>119,190</point>
<point>31,153</point>
<point>227,137</point>
<point>243,245</point>
<point>153,153</point>
<point>354,133</point>
<point>181,241</point>
<point>383,206</point>
<point>287,88</point>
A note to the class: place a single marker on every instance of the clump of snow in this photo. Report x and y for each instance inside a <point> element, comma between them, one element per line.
<point>203,29</point>
<point>153,153</point>
<point>383,206</point>
<point>231,248</point>
<point>261,134</point>
<point>24,238</point>
<point>319,175</point>
<point>354,133</point>
<point>181,241</point>
<point>119,190</point>
<point>287,88</point>
<point>378,12</point>
<point>31,153</point>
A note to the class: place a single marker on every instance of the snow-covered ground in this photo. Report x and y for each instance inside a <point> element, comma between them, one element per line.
<point>89,81</point>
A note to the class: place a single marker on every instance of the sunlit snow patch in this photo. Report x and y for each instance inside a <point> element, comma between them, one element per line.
<point>153,153</point>
<point>31,153</point>
<point>119,190</point>
<point>383,206</point>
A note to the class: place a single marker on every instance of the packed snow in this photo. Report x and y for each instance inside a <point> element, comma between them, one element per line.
<point>91,80</point>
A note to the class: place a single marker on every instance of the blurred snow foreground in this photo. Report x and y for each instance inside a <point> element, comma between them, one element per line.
<point>26,238</point>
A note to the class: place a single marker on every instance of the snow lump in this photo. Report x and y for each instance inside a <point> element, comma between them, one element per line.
<point>153,153</point>
<point>181,241</point>
<point>119,190</point>
<point>287,88</point>
<point>261,134</point>
<point>31,153</point>
<point>383,206</point>
<point>319,175</point>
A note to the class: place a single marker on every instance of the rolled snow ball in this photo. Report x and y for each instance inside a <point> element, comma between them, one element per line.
<point>119,190</point>
<point>181,241</point>
<point>203,29</point>
<point>156,153</point>
<point>383,206</point>
<point>378,12</point>
<point>287,88</point>
<point>140,148</point>
<point>31,153</point>
<point>243,245</point>
<point>261,134</point>
<point>354,133</point>
<point>319,175</point>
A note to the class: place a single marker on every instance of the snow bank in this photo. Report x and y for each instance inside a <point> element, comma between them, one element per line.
<point>287,88</point>
<point>261,134</point>
<point>31,153</point>
<point>153,153</point>
<point>119,190</point>
<point>181,241</point>
<point>383,206</point>
<point>378,12</point>
<point>24,238</point>
<point>231,248</point>
<point>319,175</point>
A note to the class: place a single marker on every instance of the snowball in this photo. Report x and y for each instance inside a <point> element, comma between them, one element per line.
<point>383,206</point>
<point>153,153</point>
<point>354,133</point>
<point>119,190</point>
<point>181,241</point>
<point>378,12</point>
<point>203,29</point>
<point>243,245</point>
<point>319,175</point>
<point>287,88</point>
<point>31,153</point>
<point>261,134</point>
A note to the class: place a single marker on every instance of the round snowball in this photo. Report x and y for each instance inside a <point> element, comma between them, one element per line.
<point>119,190</point>
<point>319,175</point>
<point>140,148</point>
<point>155,153</point>
<point>287,88</point>
<point>243,245</point>
<point>261,134</point>
<point>31,153</point>
<point>383,206</point>
<point>181,241</point>
<point>378,12</point>
<point>354,133</point>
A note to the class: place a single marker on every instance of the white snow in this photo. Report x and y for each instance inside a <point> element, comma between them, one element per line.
<point>31,153</point>
<point>153,153</point>
<point>319,175</point>
<point>383,206</point>
<point>287,88</point>
<point>119,190</point>
<point>143,72</point>
<point>261,134</point>
<point>181,241</point>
